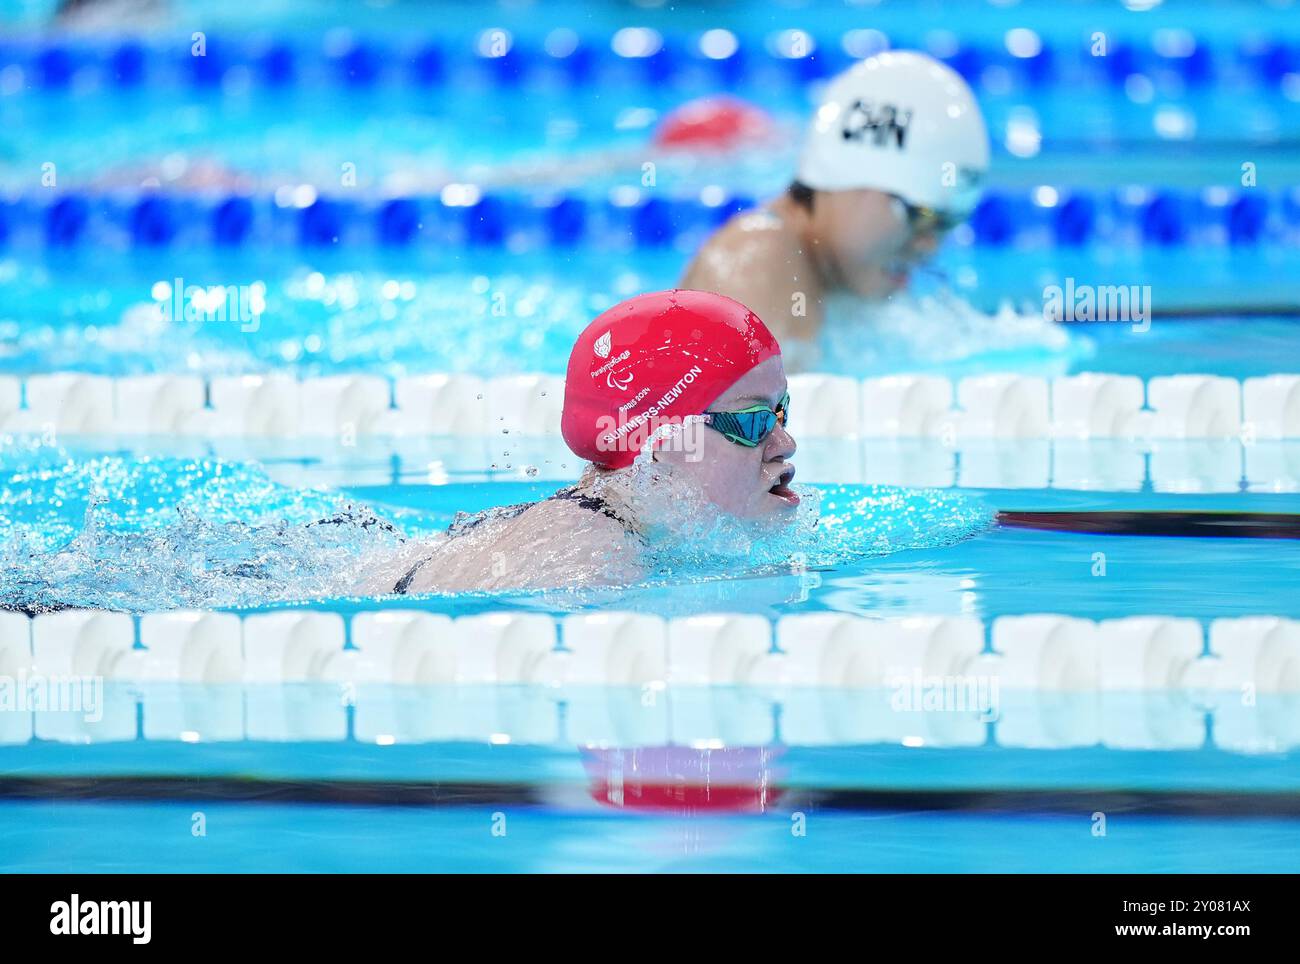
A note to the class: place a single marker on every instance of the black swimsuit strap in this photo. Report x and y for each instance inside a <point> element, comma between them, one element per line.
<point>591,502</point>
<point>404,584</point>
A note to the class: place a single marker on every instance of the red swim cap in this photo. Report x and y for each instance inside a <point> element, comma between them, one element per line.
<point>652,358</point>
<point>717,123</point>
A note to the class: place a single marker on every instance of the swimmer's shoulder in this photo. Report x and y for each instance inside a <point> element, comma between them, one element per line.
<point>559,542</point>
<point>761,220</point>
<point>754,245</point>
<point>563,514</point>
<point>748,234</point>
<point>758,259</point>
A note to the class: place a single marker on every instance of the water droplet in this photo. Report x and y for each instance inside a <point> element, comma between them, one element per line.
<point>531,471</point>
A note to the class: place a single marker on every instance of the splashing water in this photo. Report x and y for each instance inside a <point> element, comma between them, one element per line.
<point>940,331</point>
<point>832,525</point>
<point>313,323</point>
<point>195,563</point>
<point>154,534</point>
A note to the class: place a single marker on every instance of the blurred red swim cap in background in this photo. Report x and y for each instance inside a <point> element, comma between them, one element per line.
<point>714,123</point>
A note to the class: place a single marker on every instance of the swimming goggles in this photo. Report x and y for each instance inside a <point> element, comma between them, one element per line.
<point>923,220</point>
<point>750,426</point>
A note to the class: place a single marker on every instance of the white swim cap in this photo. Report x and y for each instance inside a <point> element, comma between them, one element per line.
<point>903,123</point>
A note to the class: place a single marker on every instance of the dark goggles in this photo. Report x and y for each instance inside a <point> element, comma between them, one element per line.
<point>923,220</point>
<point>750,426</point>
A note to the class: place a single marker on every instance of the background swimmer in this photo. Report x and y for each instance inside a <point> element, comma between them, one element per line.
<point>648,373</point>
<point>893,159</point>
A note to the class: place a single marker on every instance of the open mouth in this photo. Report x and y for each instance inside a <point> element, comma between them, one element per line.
<point>782,488</point>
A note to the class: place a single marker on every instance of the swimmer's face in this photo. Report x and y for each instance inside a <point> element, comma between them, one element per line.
<point>866,238</point>
<point>749,483</point>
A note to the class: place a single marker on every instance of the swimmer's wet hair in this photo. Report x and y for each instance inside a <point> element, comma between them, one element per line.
<point>801,194</point>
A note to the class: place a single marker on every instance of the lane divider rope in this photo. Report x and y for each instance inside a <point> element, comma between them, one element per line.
<point>1046,680</point>
<point>717,58</point>
<point>995,406</point>
<point>626,217</point>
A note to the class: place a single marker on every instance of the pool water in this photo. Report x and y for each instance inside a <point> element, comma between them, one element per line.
<point>490,313</point>
<point>542,839</point>
<point>469,759</point>
<point>762,776</point>
<point>85,510</point>
<point>413,137</point>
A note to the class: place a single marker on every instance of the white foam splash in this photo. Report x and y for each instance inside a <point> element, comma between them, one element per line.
<point>940,331</point>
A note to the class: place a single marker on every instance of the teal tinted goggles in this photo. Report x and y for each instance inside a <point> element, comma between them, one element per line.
<point>751,425</point>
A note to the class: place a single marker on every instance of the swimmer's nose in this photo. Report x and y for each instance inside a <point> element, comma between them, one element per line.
<point>779,445</point>
<point>925,242</point>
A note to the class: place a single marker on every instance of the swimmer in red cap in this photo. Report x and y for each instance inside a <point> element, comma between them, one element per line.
<point>672,397</point>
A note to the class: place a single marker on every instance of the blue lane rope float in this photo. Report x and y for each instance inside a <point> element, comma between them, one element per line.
<point>524,220</point>
<point>673,58</point>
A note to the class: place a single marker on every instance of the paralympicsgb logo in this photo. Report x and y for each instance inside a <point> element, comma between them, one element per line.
<point>880,122</point>
<point>602,345</point>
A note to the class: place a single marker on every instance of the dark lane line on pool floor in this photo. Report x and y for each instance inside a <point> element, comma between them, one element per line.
<point>365,793</point>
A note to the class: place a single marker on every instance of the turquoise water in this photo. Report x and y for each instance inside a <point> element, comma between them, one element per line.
<point>540,803</point>
<point>995,572</point>
<point>115,140</point>
<point>118,837</point>
<point>124,838</point>
<point>1188,781</point>
<point>1038,805</point>
<point>1163,129</point>
<point>487,313</point>
<point>154,534</point>
<point>129,530</point>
